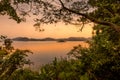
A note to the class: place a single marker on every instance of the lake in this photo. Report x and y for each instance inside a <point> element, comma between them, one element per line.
<point>45,51</point>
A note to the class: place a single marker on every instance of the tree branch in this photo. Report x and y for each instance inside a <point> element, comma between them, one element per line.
<point>88,17</point>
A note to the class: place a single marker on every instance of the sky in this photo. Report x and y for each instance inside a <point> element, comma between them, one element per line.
<point>12,29</point>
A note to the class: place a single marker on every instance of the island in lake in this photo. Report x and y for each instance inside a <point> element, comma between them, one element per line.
<point>51,39</point>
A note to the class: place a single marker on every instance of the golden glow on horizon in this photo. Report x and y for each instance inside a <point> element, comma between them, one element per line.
<point>12,29</point>
<point>48,46</point>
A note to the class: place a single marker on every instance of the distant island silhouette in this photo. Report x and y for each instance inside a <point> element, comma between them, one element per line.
<point>52,39</point>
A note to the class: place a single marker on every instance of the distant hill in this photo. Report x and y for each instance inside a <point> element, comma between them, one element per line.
<point>21,39</point>
<point>76,39</point>
<point>51,39</point>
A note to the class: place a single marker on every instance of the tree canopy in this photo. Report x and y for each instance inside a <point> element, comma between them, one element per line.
<point>105,12</point>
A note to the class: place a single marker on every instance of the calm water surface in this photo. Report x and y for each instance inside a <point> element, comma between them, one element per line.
<point>45,51</point>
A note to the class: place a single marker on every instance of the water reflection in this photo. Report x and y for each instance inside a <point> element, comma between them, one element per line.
<point>45,51</point>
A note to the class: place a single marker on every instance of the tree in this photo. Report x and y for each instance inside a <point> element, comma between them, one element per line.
<point>101,61</point>
<point>11,59</point>
<point>104,12</point>
<point>7,9</point>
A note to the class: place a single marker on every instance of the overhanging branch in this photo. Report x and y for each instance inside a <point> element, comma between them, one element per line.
<point>88,17</point>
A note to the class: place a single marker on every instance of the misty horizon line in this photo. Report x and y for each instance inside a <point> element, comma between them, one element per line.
<point>51,39</point>
<point>47,37</point>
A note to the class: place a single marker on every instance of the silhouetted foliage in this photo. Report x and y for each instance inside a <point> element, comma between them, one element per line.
<point>77,12</point>
<point>102,59</point>
<point>11,59</point>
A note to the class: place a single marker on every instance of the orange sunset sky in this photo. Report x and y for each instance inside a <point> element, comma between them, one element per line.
<point>11,29</point>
